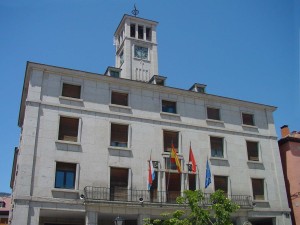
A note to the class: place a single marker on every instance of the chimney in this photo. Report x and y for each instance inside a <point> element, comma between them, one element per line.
<point>285,131</point>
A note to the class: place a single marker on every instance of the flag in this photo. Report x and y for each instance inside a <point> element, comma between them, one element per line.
<point>208,175</point>
<point>192,161</point>
<point>174,159</point>
<point>151,174</point>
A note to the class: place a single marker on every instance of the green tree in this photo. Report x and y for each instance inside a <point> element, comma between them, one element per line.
<point>199,213</point>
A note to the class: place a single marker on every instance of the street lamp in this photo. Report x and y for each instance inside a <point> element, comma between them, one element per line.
<point>118,221</point>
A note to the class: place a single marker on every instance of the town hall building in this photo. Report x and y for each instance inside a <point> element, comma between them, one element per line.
<point>87,140</point>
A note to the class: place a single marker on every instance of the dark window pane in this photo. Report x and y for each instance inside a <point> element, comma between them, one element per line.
<point>221,183</point>
<point>216,145</point>
<point>192,182</point>
<point>65,175</point>
<point>252,149</point>
<point>114,73</point>
<point>119,98</point>
<point>132,30</point>
<point>148,33</point>
<point>248,119</point>
<point>72,91</point>
<point>70,179</point>
<point>169,138</point>
<point>59,179</point>
<point>119,135</point>
<point>258,189</point>
<point>213,113</point>
<point>169,107</point>
<point>140,32</point>
<point>68,129</point>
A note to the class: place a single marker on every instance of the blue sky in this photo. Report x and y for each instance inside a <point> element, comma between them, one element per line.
<point>244,49</point>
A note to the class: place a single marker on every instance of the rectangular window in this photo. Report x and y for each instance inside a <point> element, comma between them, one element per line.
<point>118,98</point>
<point>248,119</point>
<point>148,33</point>
<point>118,184</point>
<point>252,149</point>
<point>71,90</point>
<point>170,137</point>
<point>169,107</point>
<point>213,113</point>
<point>216,145</point>
<point>173,185</point>
<point>114,73</point>
<point>192,182</point>
<point>132,30</point>
<point>258,189</point>
<point>221,183</point>
<point>119,135</point>
<point>65,175</point>
<point>2,204</point>
<point>140,32</point>
<point>68,129</point>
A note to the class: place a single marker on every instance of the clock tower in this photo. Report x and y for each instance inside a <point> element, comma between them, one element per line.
<point>136,48</point>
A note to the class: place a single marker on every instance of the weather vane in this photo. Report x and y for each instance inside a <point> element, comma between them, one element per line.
<point>135,12</point>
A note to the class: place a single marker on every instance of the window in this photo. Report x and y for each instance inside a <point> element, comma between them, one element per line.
<point>170,137</point>
<point>248,119</point>
<point>148,33</point>
<point>140,52</point>
<point>68,129</point>
<point>65,175</point>
<point>118,184</point>
<point>71,91</point>
<point>2,204</point>
<point>169,107</point>
<point>192,182</point>
<point>252,149</point>
<point>221,183</point>
<point>258,189</point>
<point>173,186</point>
<point>114,73</point>
<point>216,145</point>
<point>118,98</point>
<point>140,32</point>
<point>213,113</point>
<point>119,135</point>
<point>132,30</point>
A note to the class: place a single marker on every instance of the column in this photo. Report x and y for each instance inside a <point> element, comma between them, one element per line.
<point>91,218</point>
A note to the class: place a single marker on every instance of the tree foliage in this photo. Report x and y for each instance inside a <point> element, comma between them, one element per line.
<point>198,213</point>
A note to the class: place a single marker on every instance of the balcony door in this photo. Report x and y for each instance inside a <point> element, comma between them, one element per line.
<point>118,184</point>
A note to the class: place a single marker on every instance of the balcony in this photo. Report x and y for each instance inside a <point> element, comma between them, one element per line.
<point>120,194</point>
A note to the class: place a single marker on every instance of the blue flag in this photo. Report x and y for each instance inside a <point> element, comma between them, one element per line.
<point>208,175</point>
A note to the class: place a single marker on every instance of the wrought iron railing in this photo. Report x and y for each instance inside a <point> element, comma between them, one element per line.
<point>120,194</point>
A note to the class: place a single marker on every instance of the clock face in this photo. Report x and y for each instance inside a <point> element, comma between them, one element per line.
<point>140,52</point>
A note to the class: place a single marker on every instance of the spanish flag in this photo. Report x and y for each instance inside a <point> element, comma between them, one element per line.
<point>174,159</point>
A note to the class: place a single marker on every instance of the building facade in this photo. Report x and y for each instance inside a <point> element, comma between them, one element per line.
<point>87,141</point>
<point>5,207</point>
<point>289,146</point>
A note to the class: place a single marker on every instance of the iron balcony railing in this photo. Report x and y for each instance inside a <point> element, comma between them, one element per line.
<point>120,194</point>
